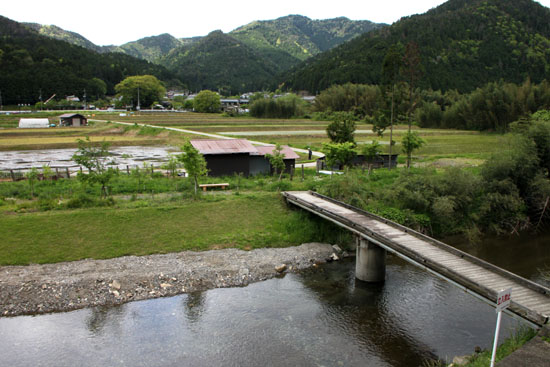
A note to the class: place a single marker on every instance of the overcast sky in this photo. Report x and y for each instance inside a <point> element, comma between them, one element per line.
<point>116,22</point>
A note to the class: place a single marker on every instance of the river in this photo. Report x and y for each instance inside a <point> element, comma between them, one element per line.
<point>321,317</point>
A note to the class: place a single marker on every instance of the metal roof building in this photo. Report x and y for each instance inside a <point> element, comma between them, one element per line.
<point>72,119</point>
<point>238,156</point>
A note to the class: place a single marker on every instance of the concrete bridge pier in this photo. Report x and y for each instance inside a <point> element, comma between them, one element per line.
<point>370,262</point>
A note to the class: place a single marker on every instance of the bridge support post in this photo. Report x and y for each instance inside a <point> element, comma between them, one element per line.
<point>370,262</point>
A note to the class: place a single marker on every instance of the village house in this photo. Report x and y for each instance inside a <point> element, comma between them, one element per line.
<point>226,157</point>
<point>72,119</point>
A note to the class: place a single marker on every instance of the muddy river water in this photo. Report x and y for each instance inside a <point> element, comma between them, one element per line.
<point>321,317</point>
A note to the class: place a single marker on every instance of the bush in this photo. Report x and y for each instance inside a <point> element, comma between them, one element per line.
<point>82,200</point>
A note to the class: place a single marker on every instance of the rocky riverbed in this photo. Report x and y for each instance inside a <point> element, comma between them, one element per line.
<point>67,286</point>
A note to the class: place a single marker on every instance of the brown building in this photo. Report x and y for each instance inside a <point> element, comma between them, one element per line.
<point>72,119</point>
<point>226,157</point>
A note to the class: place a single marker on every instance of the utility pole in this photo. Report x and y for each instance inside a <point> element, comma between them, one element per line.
<point>41,104</point>
<point>138,107</point>
<point>85,100</point>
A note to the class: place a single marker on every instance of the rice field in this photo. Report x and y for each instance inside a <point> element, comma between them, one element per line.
<point>299,133</point>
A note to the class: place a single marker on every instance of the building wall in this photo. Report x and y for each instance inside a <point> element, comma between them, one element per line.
<point>227,164</point>
<point>259,165</point>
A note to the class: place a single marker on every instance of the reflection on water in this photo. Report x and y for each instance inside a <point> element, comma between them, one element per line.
<point>319,318</point>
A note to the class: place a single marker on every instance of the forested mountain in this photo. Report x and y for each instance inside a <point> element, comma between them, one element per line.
<point>32,64</point>
<point>249,57</point>
<point>53,31</point>
<point>463,44</point>
<point>300,36</point>
<point>220,62</point>
<point>149,48</point>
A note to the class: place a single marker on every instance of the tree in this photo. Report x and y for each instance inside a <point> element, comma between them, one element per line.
<point>411,142</point>
<point>92,158</point>
<point>277,160</point>
<point>341,130</point>
<point>207,101</point>
<point>391,67</point>
<point>144,89</point>
<point>32,176</point>
<point>193,162</point>
<point>370,151</point>
<point>172,166</point>
<point>339,154</point>
<point>97,88</point>
<point>412,71</point>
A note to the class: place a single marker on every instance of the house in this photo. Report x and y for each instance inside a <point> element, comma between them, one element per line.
<point>72,119</point>
<point>72,99</point>
<point>34,123</point>
<point>225,156</point>
<point>238,156</point>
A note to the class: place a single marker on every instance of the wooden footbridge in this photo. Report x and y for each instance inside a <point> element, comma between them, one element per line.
<point>376,235</point>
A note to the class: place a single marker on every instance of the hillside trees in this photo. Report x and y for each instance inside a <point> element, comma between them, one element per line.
<point>31,63</point>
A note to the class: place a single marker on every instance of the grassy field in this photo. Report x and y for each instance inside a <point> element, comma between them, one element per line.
<point>144,227</point>
<point>301,133</point>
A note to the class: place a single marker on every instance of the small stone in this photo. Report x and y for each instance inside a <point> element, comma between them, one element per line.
<point>116,294</point>
<point>44,286</point>
<point>280,268</point>
<point>334,257</point>
<point>336,248</point>
<point>115,284</point>
<point>461,360</point>
<point>165,285</point>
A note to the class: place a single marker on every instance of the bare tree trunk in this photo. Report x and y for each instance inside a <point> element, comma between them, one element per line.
<point>391,125</point>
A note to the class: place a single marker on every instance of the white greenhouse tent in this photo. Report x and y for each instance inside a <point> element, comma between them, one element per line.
<point>34,123</point>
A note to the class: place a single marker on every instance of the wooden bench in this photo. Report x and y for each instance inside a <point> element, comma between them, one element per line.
<point>206,186</point>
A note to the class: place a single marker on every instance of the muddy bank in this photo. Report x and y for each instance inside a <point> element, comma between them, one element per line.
<point>72,285</point>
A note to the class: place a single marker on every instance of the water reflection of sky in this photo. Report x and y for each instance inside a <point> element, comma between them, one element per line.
<point>120,156</point>
<point>320,318</point>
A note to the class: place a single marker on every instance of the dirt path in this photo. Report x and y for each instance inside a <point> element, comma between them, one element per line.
<point>86,283</point>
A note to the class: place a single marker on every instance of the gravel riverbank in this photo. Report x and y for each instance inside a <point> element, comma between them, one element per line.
<point>68,286</point>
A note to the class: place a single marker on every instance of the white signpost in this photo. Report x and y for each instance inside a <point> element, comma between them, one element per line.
<point>503,301</point>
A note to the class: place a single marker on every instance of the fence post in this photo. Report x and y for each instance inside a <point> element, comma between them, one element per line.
<point>12,175</point>
<point>67,170</point>
<point>302,172</point>
<point>127,169</point>
<point>56,173</point>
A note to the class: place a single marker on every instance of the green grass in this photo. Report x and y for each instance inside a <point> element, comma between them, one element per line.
<point>242,221</point>
<point>514,342</point>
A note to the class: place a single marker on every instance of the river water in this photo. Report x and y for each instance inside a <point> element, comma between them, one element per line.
<point>321,317</point>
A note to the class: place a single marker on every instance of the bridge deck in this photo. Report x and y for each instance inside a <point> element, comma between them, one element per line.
<point>530,300</point>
